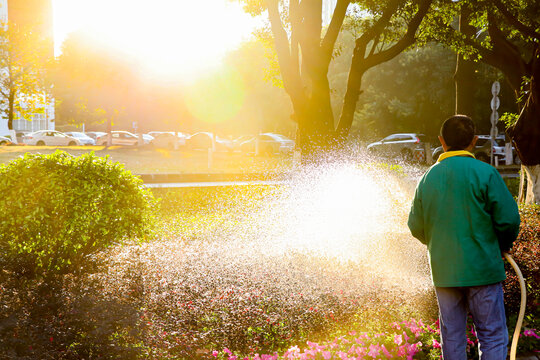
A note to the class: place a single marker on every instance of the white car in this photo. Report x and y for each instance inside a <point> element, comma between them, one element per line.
<point>167,139</point>
<point>5,140</point>
<point>50,138</point>
<point>204,140</point>
<point>269,144</point>
<point>123,138</point>
<point>95,134</point>
<point>83,138</point>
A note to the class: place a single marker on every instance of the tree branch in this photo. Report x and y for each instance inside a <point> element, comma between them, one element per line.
<point>295,25</point>
<point>327,44</point>
<point>374,45</point>
<point>379,25</point>
<point>407,40</point>
<point>514,21</point>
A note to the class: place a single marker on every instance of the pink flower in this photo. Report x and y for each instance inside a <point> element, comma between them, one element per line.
<point>227,351</point>
<point>436,344</point>
<point>326,355</point>
<point>233,357</point>
<point>398,339</point>
<point>292,352</point>
<point>405,336</point>
<point>402,351</point>
<point>215,353</point>
<point>360,351</point>
<point>386,352</point>
<point>531,332</point>
<point>374,350</point>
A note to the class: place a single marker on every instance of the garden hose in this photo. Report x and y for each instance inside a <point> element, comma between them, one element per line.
<point>519,322</point>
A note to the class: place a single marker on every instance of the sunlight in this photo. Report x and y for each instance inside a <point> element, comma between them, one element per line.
<point>216,98</point>
<point>168,38</point>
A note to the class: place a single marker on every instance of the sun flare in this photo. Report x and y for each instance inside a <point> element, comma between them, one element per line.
<point>167,37</point>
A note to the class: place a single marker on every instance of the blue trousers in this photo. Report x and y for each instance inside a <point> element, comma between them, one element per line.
<point>486,305</point>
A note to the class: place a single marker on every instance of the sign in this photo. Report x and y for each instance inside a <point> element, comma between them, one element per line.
<point>495,103</point>
<point>495,88</point>
<point>494,118</point>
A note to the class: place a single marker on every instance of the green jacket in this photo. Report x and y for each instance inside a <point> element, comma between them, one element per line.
<point>464,213</point>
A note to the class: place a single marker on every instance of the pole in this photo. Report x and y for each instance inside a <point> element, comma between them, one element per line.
<point>494,118</point>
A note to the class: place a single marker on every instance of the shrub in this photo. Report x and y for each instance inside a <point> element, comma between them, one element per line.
<point>57,209</point>
<point>526,253</point>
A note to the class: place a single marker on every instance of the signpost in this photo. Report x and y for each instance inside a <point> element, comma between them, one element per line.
<point>494,118</point>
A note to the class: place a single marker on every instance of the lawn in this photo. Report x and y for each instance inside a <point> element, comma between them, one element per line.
<point>145,160</point>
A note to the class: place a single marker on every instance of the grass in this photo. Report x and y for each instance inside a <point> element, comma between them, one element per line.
<point>146,160</point>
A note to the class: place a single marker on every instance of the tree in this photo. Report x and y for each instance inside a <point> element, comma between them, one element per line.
<point>305,49</point>
<point>91,84</point>
<point>23,64</point>
<point>96,84</point>
<point>508,39</point>
<point>266,107</point>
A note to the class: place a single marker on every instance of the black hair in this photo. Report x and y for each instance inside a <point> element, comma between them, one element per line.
<point>458,132</point>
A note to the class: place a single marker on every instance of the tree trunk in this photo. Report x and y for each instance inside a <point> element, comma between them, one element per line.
<point>532,195</point>
<point>464,77</point>
<point>11,107</point>
<point>526,134</point>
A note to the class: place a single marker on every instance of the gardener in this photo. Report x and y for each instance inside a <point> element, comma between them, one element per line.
<point>464,213</point>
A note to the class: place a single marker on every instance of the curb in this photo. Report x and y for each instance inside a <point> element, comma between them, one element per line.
<point>208,177</point>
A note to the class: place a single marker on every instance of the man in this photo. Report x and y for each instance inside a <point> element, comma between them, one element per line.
<point>464,213</point>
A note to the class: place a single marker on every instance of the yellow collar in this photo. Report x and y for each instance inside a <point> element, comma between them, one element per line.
<point>448,154</point>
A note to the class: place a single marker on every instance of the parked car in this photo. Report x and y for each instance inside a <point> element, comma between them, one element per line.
<point>50,138</point>
<point>482,150</point>
<point>239,140</point>
<point>5,140</point>
<point>20,136</point>
<point>402,145</point>
<point>203,141</point>
<point>95,134</point>
<point>269,144</point>
<point>83,138</point>
<point>119,137</point>
<point>499,150</point>
<point>167,138</point>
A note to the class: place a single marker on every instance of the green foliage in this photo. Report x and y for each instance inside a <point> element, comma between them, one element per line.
<point>57,209</point>
<point>508,119</point>
<point>24,63</point>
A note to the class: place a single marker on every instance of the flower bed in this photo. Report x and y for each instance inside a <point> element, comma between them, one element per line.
<point>201,291</point>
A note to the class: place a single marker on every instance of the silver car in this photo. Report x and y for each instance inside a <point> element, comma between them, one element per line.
<point>82,137</point>
<point>269,144</point>
<point>400,145</point>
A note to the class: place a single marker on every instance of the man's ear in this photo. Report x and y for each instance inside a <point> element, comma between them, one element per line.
<point>443,143</point>
<point>472,144</point>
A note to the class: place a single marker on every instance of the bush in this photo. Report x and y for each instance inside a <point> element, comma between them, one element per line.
<point>57,209</point>
<point>526,253</point>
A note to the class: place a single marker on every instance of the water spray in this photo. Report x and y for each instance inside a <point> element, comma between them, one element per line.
<point>521,315</point>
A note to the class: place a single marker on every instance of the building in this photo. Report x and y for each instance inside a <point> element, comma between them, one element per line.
<point>36,14</point>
